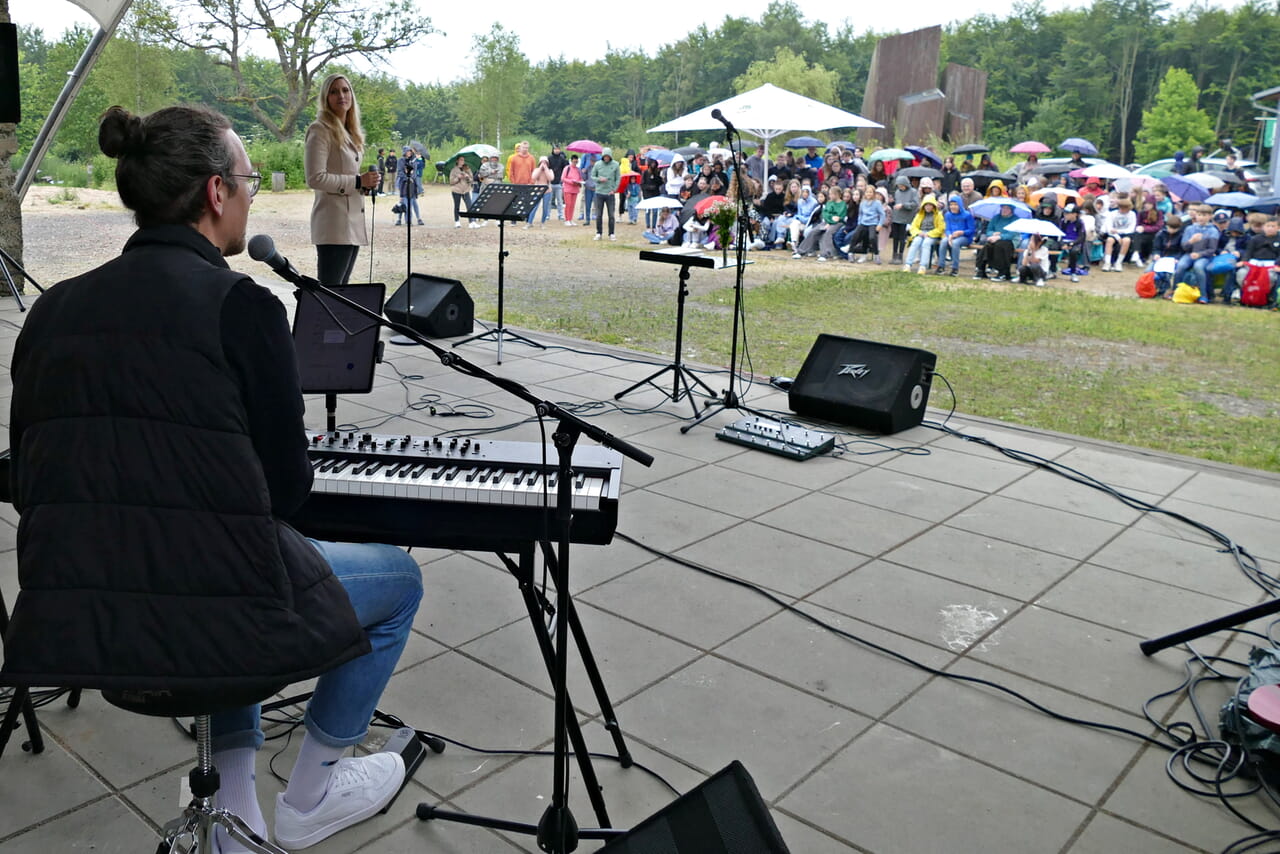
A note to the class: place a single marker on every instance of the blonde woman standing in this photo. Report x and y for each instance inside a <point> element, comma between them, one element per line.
<point>335,145</point>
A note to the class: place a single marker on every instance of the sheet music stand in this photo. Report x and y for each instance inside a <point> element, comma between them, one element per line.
<point>681,376</point>
<point>505,203</point>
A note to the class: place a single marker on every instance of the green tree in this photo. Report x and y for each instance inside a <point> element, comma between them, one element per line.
<point>305,36</point>
<point>1174,121</point>
<point>789,71</point>
<point>134,70</point>
<point>493,102</point>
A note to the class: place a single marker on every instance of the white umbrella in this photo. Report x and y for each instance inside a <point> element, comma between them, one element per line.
<point>1204,179</point>
<point>1107,171</point>
<point>659,202</point>
<point>767,112</point>
<point>1035,226</point>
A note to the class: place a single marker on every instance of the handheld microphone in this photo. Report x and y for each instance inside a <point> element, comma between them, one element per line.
<point>263,248</point>
<point>728,125</point>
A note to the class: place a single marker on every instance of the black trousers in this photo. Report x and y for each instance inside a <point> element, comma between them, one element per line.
<point>334,262</point>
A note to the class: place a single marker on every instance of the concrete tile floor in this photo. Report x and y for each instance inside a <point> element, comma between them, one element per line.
<point>932,547</point>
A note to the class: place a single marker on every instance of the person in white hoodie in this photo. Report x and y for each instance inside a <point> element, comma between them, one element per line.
<point>1120,229</point>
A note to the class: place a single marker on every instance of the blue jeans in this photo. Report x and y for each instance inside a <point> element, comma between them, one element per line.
<point>588,196</point>
<point>385,585</point>
<point>952,246</point>
<point>546,208</point>
<point>410,206</point>
<point>921,250</point>
<point>557,199</point>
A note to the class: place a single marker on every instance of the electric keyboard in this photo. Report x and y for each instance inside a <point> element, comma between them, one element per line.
<point>450,493</point>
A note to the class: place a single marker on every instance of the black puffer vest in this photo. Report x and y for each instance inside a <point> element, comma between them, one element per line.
<point>147,552</point>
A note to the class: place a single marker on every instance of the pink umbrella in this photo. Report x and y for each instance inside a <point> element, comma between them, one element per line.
<point>1030,147</point>
<point>584,146</point>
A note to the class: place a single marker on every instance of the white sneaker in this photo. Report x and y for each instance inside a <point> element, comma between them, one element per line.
<point>358,789</point>
<point>457,224</point>
<point>906,268</point>
<point>597,237</point>
<point>1039,283</point>
<point>613,237</point>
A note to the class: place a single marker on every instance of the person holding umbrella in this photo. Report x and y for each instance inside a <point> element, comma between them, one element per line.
<point>331,160</point>
<point>571,177</point>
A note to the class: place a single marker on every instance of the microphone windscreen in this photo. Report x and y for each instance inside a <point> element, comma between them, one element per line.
<point>261,247</point>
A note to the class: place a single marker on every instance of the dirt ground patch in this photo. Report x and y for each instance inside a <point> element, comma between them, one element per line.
<point>68,237</point>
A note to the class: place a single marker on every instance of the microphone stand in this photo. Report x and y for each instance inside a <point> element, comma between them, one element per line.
<point>729,399</point>
<point>557,831</point>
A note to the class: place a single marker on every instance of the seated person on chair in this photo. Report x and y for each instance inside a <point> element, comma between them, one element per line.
<point>158,442</point>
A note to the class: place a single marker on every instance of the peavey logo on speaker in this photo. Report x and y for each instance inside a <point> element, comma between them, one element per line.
<point>855,371</point>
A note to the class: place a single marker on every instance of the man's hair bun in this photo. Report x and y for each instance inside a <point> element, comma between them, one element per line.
<point>120,132</point>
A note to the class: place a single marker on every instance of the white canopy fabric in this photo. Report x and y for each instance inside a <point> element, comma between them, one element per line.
<point>106,12</point>
<point>769,111</point>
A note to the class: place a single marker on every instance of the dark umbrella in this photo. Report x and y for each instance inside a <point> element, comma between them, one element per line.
<point>689,209</point>
<point>1075,143</point>
<point>982,178</point>
<point>1053,169</point>
<point>925,154</point>
<point>919,172</point>
<point>1229,177</point>
<point>971,148</point>
<point>690,150</point>
<point>804,142</point>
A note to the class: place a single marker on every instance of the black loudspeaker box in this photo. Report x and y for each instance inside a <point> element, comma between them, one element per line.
<point>724,815</point>
<point>440,308</point>
<point>10,97</point>
<point>865,384</point>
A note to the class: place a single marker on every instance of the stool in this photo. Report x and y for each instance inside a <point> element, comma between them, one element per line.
<point>194,830</point>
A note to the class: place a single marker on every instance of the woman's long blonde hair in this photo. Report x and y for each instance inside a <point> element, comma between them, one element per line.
<point>348,133</point>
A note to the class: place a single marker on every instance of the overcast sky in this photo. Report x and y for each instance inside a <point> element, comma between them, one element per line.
<point>582,32</point>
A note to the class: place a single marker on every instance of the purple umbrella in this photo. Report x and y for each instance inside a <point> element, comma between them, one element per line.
<point>1187,191</point>
<point>1075,143</point>
<point>925,154</point>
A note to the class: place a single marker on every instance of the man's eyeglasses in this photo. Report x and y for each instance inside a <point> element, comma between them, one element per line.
<point>255,182</point>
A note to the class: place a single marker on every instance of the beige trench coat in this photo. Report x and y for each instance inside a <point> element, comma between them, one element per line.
<point>337,214</point>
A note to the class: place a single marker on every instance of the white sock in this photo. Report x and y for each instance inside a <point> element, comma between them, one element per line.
<point>310,778</point>
<point>238,792</point>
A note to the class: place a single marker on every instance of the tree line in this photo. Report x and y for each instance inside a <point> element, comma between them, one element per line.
<point>1088,72</point>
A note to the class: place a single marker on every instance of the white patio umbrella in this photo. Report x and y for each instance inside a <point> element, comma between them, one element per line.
<point>767,112</point>
<point>1107,171</point>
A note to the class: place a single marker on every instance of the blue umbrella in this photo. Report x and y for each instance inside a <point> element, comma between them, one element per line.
<point>1267,205</point>
<point>1075,143</point>
<point>925,154</point>
<point>1231,200</point>
<point>664,156</point>
<point>843,143</point>
<point>804,142</point>
<point>989,208</point>
<point>1188,191</point>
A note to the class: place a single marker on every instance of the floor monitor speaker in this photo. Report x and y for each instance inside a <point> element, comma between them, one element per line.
<point>432,306</point>
<point>10,97</point>
<point>724,815</point>
<point>864,384</point>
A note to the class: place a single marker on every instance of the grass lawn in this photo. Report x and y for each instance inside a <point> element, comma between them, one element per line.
<point>1197,380</point>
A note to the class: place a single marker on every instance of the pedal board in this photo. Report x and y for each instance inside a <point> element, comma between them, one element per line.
<point>787,440</point>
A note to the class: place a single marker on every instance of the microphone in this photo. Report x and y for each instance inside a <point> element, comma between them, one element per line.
<point>263,248</point>
<point>728,125</point>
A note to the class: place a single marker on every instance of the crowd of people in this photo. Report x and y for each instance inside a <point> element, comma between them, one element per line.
<point>835,205</point>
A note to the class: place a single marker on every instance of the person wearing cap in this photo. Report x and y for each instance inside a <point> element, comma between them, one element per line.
<point>606,173</point>
<point>1200,243</point>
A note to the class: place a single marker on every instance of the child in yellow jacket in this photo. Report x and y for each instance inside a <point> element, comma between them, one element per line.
<point>925,233</point>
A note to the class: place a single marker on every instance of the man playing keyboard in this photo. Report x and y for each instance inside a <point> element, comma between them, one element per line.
<point>157,439</point>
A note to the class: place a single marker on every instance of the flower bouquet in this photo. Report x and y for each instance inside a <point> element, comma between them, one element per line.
<point>723,214</point>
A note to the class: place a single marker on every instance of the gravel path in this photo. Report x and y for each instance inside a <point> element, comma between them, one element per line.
<point>67,238</point>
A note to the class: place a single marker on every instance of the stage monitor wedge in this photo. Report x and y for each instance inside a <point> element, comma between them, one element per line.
<point>432,306</point>
<point>724,815</point>
<point>864,384</point>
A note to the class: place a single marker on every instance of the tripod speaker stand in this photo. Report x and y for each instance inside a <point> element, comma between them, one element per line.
<point>505,203</point>
<point>7,262</point>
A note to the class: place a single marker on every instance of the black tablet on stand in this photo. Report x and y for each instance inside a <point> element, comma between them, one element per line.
<point>337,348</point>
